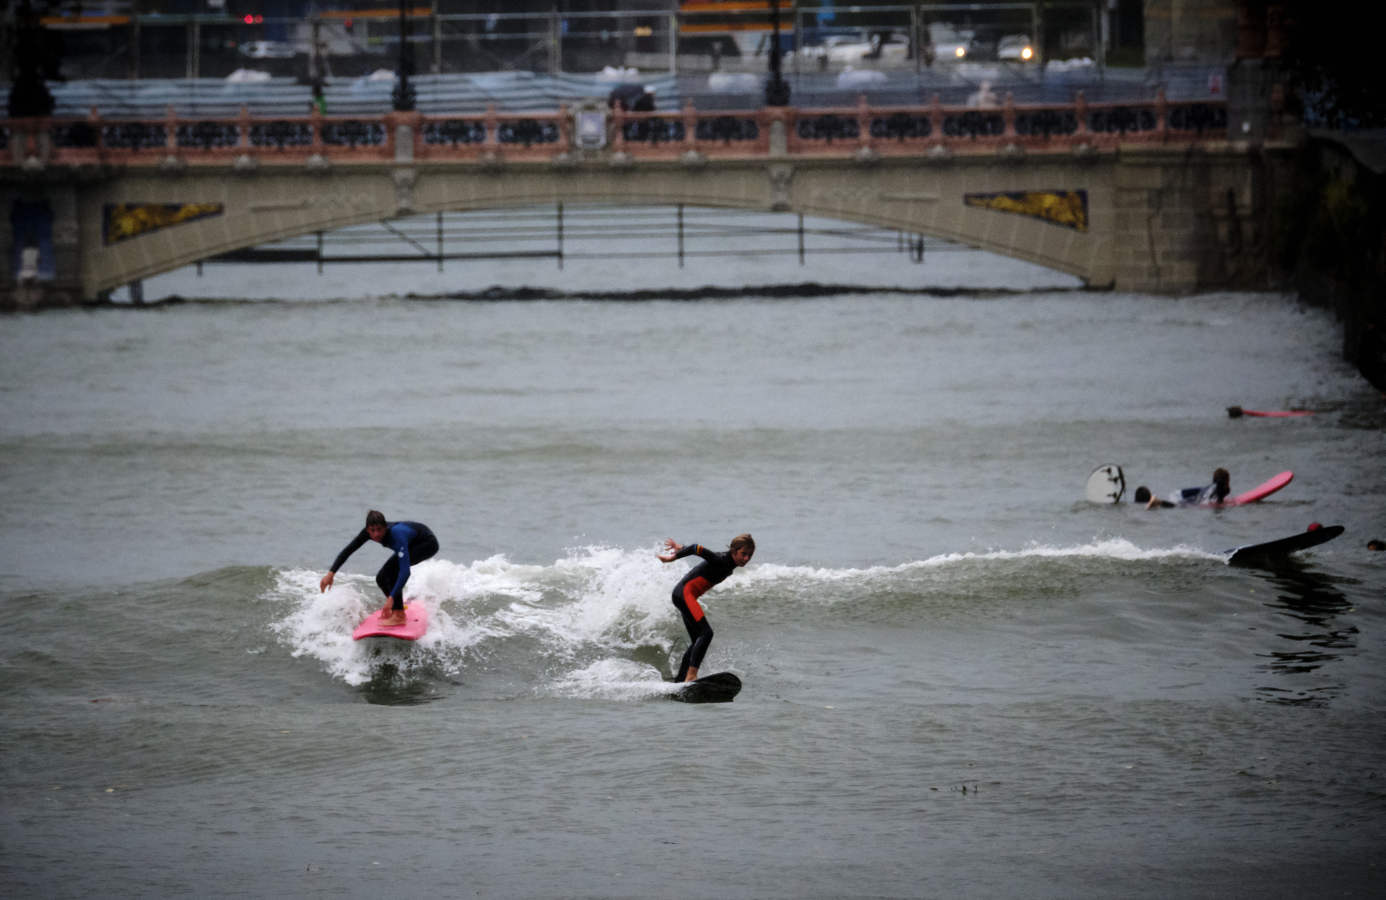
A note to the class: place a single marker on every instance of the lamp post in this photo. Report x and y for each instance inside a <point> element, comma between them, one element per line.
<point>29,94</point>
<point>776,89</point>
<point>403,95</point>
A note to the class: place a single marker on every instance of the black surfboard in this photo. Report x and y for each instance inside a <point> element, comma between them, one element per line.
<point>1272,552</point>
<point>720,688</point>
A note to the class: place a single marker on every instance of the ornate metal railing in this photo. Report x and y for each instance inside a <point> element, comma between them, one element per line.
<point>875,131</point>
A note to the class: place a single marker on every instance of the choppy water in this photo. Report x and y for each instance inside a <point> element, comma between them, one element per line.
<point>960,678</point>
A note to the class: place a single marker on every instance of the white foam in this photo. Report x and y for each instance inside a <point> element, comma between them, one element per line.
<point>602,601</point>
<point>596,596</point>
<point>1108,548</point>
<point>611,679</point>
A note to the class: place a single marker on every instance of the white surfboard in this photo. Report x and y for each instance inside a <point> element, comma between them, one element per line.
<point>1106,484</point>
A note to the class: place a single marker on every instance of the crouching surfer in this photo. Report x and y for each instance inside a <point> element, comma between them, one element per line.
<point>412,542</point>
<point>713,570</point>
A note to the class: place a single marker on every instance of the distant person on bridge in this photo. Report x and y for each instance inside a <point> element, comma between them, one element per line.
<point>713,570</point>
<point>411,542</point>
<point>632,98</point>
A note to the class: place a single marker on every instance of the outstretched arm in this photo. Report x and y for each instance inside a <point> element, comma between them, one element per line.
<point>349,549</point>
<point>678,551</point>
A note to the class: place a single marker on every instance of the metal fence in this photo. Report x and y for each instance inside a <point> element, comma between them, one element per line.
<point>693,38</point>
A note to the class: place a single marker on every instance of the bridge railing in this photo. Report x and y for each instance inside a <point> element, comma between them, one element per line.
<point>914,130</point>
<point>247,141</point>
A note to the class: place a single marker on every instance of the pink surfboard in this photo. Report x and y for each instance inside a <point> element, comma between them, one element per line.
<point>1264,489</point>
<point>1237,411</point>
<point>415,624</point>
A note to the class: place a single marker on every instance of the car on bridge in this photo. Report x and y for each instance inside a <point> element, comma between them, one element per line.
<point>950,44</point>
<point>1015,48</point>
<point>267,50</point>
<point>879,47</point>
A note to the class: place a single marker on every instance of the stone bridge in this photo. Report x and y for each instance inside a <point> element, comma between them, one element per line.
<point>1139,196</point>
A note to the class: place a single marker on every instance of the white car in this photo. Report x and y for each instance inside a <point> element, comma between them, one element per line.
<point>267,49</point>
<point>950,44</point>
<point>1015,48</point>
<point>841,49</point>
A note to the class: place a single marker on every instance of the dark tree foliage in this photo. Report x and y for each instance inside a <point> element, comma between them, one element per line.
<point>1332,60</point>
<point>35,59</point>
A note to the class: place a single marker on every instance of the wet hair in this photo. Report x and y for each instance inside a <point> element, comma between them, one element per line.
<point>743,540</point>
<point>375,517</point>
<point>1376,544</point>
<point>1142,494</point>
<point>1221,483</point>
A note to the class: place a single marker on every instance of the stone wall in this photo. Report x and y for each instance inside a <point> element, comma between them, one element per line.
<point>1329,242</point>
<point>1196,223</point>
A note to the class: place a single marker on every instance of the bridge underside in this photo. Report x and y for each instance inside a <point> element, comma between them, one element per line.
<point>1146,220</point>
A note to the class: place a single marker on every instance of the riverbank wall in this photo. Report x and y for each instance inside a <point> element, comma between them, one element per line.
<point>1329,227</point>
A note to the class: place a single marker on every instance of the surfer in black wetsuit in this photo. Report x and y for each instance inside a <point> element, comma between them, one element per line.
<point>713,570</point>
<point>411,542</point>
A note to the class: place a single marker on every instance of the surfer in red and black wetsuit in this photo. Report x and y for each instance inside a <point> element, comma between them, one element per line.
<point>713,570</point>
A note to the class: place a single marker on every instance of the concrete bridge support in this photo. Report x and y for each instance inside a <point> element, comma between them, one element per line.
<point>48,223</point>
<point>1188,223</point>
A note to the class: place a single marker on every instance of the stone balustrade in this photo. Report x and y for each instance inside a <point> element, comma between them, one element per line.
<point>692,135</point>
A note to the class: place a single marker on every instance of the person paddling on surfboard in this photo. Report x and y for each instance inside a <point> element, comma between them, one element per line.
<point>411,542</point>
<point>713,570</point>
<point>1191,496</point>
<point>1143,495</point>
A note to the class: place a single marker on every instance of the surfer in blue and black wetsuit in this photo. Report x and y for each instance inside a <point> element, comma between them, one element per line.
<point>713,570</point>
<point>411,542</point>
<point>1213,494</point>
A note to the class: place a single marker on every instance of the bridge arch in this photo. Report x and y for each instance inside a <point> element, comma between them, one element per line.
<point>1055,213</point>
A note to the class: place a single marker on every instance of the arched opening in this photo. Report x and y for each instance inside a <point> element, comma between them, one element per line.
<point>602,250</point>
<point>31,245</point>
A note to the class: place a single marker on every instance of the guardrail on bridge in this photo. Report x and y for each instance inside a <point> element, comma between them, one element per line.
<point>591,131</point>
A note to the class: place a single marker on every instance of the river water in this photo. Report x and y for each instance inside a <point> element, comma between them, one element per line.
<point>961,679</point>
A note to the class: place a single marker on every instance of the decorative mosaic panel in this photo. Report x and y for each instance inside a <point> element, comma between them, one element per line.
<point>122,221</point>
<point>1066,208</point>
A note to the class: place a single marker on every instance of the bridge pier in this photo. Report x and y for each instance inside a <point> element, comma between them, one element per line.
<point>1185,223</point>
<point>40,217</point>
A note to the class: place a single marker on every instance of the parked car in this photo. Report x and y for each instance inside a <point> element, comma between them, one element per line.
<point>950,44</point>
<point>855,49</point>
<point>888,46</point>
<point>267,49</point>
<point>1015,48</point>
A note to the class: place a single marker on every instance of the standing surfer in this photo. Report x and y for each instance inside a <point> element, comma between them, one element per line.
<point>713,570</point>
<point>411,542</point>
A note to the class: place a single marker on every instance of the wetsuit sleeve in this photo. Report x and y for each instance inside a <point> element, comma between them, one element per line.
<point>349,549</point>
<point>690,549</point>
